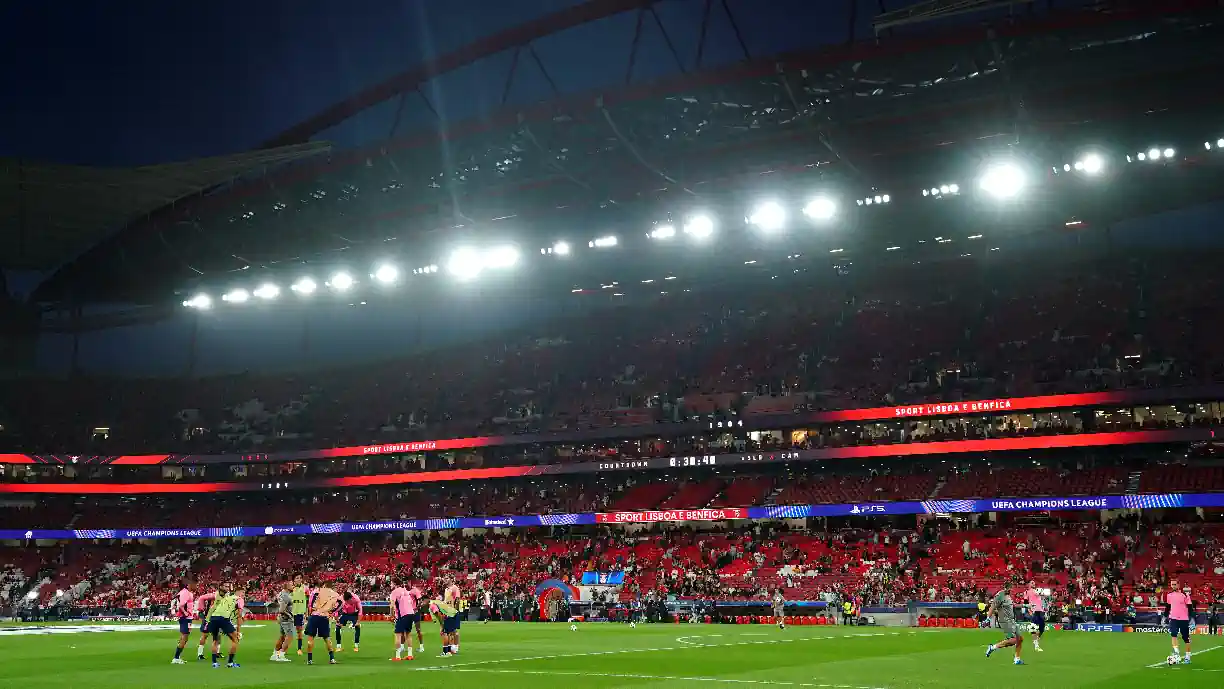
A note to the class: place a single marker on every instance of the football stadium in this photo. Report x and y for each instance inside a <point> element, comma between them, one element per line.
<point>704,343</point>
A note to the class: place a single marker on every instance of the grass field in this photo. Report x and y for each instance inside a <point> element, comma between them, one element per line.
<point>507,656</point>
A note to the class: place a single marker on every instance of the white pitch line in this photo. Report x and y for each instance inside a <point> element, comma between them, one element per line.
<point>668,678</point>
<point>1192,655</point>
<point>683,646</point>
<point>681,639</point>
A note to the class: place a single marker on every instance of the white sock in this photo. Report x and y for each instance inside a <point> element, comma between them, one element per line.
<point>199,650</point>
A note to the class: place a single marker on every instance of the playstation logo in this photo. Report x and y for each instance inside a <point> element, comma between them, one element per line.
<point>269,531</point>
<point>29,534</point>
<point>855,510</point>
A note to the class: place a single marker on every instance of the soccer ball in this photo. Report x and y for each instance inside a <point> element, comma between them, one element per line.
<point>573,627</point>
<point>1172,660</point>
<point>633,625</point>
<point>1033,627</point>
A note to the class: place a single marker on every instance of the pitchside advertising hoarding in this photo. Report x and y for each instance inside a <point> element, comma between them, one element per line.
<point>1109,502</point>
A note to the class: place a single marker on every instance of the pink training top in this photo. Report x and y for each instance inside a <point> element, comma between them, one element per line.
<point>452,594</point>
<point>1179,605</point>
<point>401,603</point>
<point>186,603</point>
<point>416,595</point>
<point>352,606</point>
<point>1034,599</point>
<point>204,601</point>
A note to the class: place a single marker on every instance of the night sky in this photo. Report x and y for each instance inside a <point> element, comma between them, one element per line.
<point>146,81</point>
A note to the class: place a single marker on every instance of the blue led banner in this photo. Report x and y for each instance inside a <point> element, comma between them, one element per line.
<point>1108,502</point>
<point>603,578</point>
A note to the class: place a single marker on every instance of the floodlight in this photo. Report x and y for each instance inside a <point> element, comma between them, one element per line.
<point>1003,181</point>
<point>237,296</point>
<point>820,208</point>
<point>662,232</point>
<point>1091,164</point>
<point>1153,154</point>
<point>465,264</point>
<point>561,248</point>
<point>501,257</point>
<point>954,188</point>
<point>340,281</point>
<point>769,216</point>
<point>1168,153</point>
<point>267,291</point>
<point>199,301</point>
<point>386,273</point>
<point>943,189</point>
<point>602,242</point>
<point>304,286</point>
<point>1220,143</point>
<point>700,226</point>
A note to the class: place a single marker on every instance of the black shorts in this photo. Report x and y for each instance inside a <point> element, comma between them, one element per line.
<point>221,625</point>
<point>450,625</point>
<point>349,619</point>
<point>318,625</point>
<point>1039,620</point>
<point>184,625</point>
<point>403,624</point>
<point>299,620</point>
<point>1180,628</point>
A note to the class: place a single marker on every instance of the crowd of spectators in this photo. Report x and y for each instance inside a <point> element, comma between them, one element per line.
<point>920,334</point>
<point>1104,567</point>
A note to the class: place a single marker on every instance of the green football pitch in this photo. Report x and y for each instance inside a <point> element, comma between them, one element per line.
<point>508,655</point>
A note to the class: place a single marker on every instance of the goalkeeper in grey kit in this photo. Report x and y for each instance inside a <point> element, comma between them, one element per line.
<point>284,617</point>
<point>1003,610</point>
<point>779,608</point>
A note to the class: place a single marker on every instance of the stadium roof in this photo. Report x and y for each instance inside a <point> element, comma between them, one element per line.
<point>50,213</point>
<point>897,114</point>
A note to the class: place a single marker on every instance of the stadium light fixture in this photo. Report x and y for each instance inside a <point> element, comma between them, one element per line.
<point>1003,181</point>
<point>1219,143</point>
<point>1153,154</point>
<point>769,216</point>
<point>662,232</point>
<point>1091,164</point>
<point>237,296</point>
<point>202,302</point>
<point>561,248</point>
<point>386,273</point>
<point>603,242</point>
<point>341,281</point>
<point>304,287</point>
<point>1168,152</point>
<point>501,257</point>
<point>267,291</point>
<point>820,208</point>
<point>465,264</point>
<point>699,226</point>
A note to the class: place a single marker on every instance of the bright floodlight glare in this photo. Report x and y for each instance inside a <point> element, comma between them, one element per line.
<point>237,296</point>
<point>304,286</point>
<point>386,274</point>
<point>501,257</point>
<point>267,291</point>
<point>820,208</point>
<point>769,216</point>
<point>561,248</point>
<point>199,301</point>
<point>464,264</point>
<point>954,188</point>
<point>1220,143</point>
<point>1168,153</point>
<point>1003,181</point>
<point>1153,154</point>
<point>663,232</point>
<point>602,242</point>
<point>341,281</point>
<point>700,226</point>
<point>1091,164</point>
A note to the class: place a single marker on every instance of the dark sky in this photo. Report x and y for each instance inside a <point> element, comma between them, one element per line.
<point>143,81</point>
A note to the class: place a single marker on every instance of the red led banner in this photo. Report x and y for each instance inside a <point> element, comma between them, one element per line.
<point>858,452</point>
<point>763,422</point>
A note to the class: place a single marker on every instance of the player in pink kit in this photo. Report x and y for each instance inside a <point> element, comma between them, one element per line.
<point>1037,611</point>
<point>403,614</point>
<point>1180,610</point>
<point>350,615</point>
<point>184,610</point>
